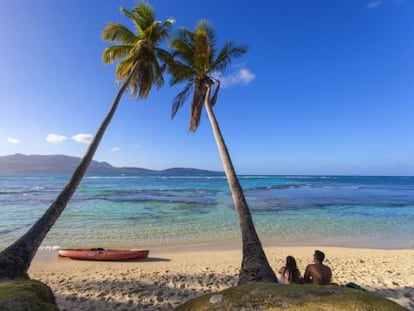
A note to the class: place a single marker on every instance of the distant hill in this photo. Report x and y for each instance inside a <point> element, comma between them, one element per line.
<point>49,164</point>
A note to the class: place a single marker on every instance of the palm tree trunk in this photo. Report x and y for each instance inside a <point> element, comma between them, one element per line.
<point>16,259</point>
<point>255,267</point>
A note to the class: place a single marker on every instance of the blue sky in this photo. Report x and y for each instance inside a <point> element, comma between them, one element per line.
<point>327,87</point>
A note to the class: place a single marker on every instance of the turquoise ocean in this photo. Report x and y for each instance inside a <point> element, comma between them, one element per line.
<point>141,210</point>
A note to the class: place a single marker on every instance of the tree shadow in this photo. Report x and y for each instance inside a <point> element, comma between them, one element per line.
<point>402,295</point>
<point>166,293</point>
<point>145,291</point>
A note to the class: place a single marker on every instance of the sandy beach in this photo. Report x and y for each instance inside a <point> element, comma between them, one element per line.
<point>175,273</point>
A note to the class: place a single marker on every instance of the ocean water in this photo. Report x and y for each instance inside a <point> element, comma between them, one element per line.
<point>140,210</point>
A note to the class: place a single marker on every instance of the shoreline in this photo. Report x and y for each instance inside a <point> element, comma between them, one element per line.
<point>235,244</point>
<point>175,273</point>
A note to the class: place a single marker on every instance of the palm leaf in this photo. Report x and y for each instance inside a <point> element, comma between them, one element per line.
<point>202,53</point>
<point>115,53</point>
<point>123,69</point>
<point>180,72</point>
<point>165,28</point>
<point>213,99</point>
<point>180,99</point>
<point>143,15</point>
<point>207,27</point>
<point>183,45</point>
<point>197,106</point>
<point>158,71</point>
<point>132,15</point>
<point>226,54</point>
<point>146,79</point>
<point>115,32</point>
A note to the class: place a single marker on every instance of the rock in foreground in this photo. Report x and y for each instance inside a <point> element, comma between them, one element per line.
<point>265,296</point>
<point>28,295</point>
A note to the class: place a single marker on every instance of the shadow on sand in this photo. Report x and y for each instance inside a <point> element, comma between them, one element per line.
<point>157,292</point>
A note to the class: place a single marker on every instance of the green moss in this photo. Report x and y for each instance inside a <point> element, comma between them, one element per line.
<point>26,295</point>
<point>272,297</point>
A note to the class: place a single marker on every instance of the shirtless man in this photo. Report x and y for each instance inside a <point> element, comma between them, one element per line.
<point>318,273</point>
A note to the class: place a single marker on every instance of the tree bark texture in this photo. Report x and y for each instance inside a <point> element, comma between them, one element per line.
<point>255,266</point>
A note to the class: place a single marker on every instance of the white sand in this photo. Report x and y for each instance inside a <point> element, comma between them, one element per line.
<point>173,274</point>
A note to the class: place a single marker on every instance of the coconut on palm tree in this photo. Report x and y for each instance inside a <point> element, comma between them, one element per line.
<point>195,61</point>
<point>138,69</point>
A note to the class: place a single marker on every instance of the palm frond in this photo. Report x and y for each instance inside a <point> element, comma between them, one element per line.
<point>180,99</point>
<point>158,68</point>
<point>153,33</point>
<point>206,26</point>
<point>144,15</point>
<point>202,53</point>
<point>180,72</point>
<point>165,28</point>
<point>133,16</point>
<point>158,74</point>
<point>123,69</point>
<point>213,98</point>
<point>209,29</point>
<point>197,106</point>
<point>183,44</point>
<point>229,51</point>
<point>115,32</point>
<point>145,80</point>
<point>115,53</point>
<point>165,56</point>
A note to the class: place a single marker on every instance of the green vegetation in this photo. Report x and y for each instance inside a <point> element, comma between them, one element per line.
<point>27,295</point>
<point>266,296</point>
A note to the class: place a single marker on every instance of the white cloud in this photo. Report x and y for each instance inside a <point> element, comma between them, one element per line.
<point>242,76</point>
<point>82,138</point>
<point>115,149</point>
<point>373,4</point>
<point>55,138</point>
<point>13,140</point>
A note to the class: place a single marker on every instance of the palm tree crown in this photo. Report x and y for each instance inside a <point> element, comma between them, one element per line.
<point>196,59</point>
<point>138,52</point>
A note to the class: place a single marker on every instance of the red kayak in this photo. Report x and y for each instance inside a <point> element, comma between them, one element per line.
<point>104,254</point>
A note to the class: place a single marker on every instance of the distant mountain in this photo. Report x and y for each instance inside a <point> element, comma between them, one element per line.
<point>49,164</point>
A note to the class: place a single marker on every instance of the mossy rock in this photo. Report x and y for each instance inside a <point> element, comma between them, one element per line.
<point>26,295</point>
<point>272,297</point>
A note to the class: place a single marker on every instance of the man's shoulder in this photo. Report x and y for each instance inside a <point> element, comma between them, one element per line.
<point>310,266</point>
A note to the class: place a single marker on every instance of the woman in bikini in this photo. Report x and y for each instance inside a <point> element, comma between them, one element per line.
<point>289,273</point>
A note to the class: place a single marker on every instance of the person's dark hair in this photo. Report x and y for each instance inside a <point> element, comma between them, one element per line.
<point>320,256</point>
<point>292,270</point>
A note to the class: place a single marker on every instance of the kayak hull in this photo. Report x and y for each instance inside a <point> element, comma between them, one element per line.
<point>103,254</point>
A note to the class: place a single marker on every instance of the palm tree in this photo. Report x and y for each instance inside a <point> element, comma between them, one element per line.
<point>138,69</point>
<point>195,61</point>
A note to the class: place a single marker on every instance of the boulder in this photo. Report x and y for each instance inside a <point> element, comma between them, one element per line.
<point>270,296</point>
<point>28,295</point>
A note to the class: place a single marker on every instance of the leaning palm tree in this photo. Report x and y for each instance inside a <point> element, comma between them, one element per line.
<point>195,61</point>
<point>139,70</point>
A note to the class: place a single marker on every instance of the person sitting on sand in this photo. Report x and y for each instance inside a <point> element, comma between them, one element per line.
<point>289,273</point>
<point>318,273</point>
